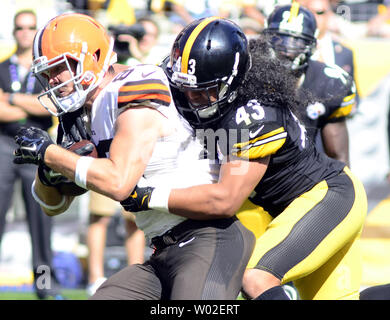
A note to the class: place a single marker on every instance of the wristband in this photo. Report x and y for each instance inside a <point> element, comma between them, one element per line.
<point>82,167</point>
<point>159,199</point>
<point>43,204</point>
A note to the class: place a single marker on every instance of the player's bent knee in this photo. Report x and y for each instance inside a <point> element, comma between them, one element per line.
<point>256,281</point>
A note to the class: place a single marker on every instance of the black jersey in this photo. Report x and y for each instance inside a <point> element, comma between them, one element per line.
<point>335,93</point>
<point>295,165</point>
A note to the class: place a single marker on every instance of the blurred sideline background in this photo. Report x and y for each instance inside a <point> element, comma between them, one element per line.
<point>369,152</point>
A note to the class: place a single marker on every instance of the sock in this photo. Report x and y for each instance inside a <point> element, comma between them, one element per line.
<point>275,293</point>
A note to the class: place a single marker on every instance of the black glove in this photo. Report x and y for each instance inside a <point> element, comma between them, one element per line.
<point>33,143</point>
<point>138,200</point>
<point>72,128</point>
<point>51,178</point>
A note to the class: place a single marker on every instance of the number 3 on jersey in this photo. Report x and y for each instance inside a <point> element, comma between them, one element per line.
<point>243,116</point>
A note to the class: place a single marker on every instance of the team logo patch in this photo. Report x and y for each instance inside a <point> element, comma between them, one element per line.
<point>314,111</point>
<point>294,25</point>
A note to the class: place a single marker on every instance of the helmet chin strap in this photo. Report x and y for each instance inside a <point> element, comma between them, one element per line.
<point>110,59</point>
<point>232,76</point>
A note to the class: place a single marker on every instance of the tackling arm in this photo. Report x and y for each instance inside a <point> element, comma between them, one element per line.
<point>137,130</point>
<point>237,180</point>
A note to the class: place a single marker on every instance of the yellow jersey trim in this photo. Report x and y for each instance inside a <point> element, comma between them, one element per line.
<point>262,146</point>
<point>190,42</point>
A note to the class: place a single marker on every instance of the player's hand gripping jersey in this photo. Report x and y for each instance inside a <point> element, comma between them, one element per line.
<point>175,159</point>
<point>295,165</point>
<point>335,94</point>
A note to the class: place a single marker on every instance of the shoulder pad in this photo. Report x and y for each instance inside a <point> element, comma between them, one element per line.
<point>254,131</point>
<point>344,92</point>
<point>142,86</point>
<point>334,87</point>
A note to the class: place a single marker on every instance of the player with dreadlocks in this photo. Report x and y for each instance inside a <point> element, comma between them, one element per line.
<point>306,209</point>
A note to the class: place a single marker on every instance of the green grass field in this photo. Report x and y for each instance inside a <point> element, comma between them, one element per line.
<point>69,294</point>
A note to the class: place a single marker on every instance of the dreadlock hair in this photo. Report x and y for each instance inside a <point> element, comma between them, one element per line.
<point>269,81</point>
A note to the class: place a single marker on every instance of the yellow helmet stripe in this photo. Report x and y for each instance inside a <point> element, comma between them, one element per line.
<point>191,40</point>
<point>293,11</point>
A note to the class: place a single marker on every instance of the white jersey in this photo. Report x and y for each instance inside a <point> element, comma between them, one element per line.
<point>176,159</point>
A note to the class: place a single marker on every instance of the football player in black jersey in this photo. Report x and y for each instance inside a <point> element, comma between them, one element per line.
<point>316,207</point>
<point>292,30</point>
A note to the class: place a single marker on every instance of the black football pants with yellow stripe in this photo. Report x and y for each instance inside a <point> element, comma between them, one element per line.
<point>314,242</point>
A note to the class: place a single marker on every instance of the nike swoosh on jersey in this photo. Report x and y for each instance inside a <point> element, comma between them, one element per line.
<point>182,244</point>
<point>139,92</point>
<point>255,133</point>
<point>145,75</point>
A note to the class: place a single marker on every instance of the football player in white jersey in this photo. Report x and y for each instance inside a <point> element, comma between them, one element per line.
<point>138,133</point>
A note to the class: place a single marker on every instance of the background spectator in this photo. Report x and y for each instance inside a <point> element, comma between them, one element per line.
<point>182,12</point>
<point>19,107</point>
<point>379,25</point>
<point>259,10</point>
<point>136,45</point>
<point>329,49</point>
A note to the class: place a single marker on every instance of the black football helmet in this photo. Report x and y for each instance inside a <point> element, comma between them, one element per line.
<point>208,61</point>
<point>292,31</point>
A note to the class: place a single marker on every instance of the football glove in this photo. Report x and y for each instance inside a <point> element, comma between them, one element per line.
<point>72,128</point>
<point>33,143</point>
<point>51,178</point>
<point>138,200</point>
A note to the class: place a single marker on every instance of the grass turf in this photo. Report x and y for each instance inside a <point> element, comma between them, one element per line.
<point>69,294</point>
